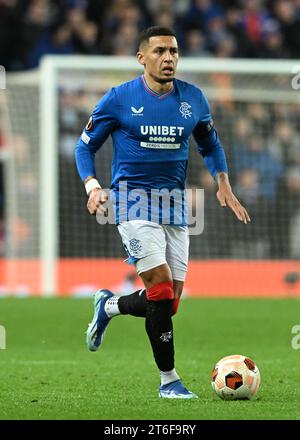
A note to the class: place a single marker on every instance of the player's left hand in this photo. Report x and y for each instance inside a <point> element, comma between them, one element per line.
<point>97,197</point>
<point>227,198</point>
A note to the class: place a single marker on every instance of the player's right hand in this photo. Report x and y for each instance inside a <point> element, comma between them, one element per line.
<point>96,199</point>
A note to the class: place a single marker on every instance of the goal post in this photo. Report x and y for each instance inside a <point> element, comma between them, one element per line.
<point>49,171</point>
<point>49,71</point>
<point>45,112</point>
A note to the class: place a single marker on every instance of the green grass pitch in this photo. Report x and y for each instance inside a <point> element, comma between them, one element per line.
<point>46,371</point>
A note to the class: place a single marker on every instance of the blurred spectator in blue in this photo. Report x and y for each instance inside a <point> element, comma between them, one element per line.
<point>166,17</point>
<point>10,34</point>
<point>293,214</point>
<point>123,12</point>
<point>57,43</point>
<point>255,156</point>
<point>179,7</point>
<point>84,32</point>
<point>272,42</point>
<point>248,187</point>
<point>122,16</point>
<point>254,18</point>
<point>288,215</point>
<point>195,44</point>
<point>212,243</point>
<point>242,132</point>
<point>215,31</point>
<point>297,3</point>
<point>286,13</point>
<point>285,143</point>
<point>200,13</point>
<point>226,47</point>
<point>261,117</point>
<point>2,241</point>
<point>39,18</point>
<point>78,4</point>
<point>287,113</point>
<point>236,29</point>
<point>124,42</point>
<point>241,28</point>
<point>255,242</point>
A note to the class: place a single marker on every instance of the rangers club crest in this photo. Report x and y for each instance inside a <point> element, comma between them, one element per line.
<point>185,110</point>
<point>135,246</point>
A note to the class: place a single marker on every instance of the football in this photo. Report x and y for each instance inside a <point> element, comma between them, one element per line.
<point>235,377</point>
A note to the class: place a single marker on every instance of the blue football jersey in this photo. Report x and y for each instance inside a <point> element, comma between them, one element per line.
<point>150,134</point>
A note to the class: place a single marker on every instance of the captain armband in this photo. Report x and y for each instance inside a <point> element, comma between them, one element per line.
<point>204,129</point>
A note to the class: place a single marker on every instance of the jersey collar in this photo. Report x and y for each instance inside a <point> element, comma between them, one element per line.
<point>152,92</point>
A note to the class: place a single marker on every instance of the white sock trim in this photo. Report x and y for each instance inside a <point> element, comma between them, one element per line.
<point>111,307</point>
<point>168,376</point>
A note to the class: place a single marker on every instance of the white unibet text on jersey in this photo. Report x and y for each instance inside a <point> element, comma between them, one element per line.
<point>164,130</point>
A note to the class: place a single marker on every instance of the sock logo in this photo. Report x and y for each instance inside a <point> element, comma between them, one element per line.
<point>166,337</point>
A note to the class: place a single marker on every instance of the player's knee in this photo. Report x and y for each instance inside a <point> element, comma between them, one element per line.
<point>160,291</point>
<point>156,275</point>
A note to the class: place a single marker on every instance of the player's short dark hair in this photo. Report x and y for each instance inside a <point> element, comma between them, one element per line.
<point>154,31</point>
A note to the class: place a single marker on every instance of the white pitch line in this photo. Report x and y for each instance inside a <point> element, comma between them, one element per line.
<point>50,362</point>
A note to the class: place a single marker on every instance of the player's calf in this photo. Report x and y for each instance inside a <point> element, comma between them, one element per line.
<point>159,324</point>
<point>134,304</point>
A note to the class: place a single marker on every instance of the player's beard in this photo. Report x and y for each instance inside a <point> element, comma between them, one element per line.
<point>163,80</point>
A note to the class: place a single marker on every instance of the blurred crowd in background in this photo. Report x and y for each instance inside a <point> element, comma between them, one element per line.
<point>2,242</point>
<point>237,28</point>
<point>261,140</point>
<point>262,146</point>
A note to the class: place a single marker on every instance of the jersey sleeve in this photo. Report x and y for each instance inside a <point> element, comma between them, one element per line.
<point>208,142</point>
<point>101,124</point>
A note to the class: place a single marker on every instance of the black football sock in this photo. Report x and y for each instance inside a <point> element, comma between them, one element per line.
<point>134,304</point>
<point>160,332</point>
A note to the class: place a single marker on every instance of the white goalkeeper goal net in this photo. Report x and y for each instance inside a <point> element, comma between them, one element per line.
<point>52,244</point>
